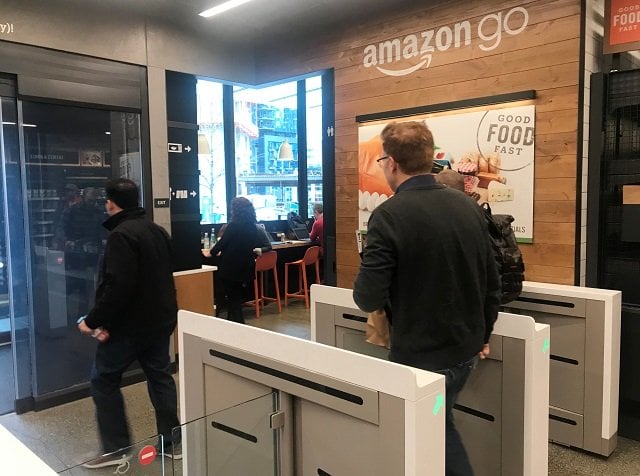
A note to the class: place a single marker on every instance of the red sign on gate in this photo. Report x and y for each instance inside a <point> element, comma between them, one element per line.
<point>147,455</point>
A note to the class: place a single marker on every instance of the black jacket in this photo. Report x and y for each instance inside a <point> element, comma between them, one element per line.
<point>237,259</point>
<point>136,294</point>
<point>429,255</point>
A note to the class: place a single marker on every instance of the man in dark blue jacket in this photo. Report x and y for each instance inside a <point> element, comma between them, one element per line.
<point>136,304</point>
<point>428,256</point>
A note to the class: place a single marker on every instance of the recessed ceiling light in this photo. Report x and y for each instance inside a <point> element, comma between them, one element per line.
<point>223,7</point>
<point>108,133</point>
<point>29,125</point>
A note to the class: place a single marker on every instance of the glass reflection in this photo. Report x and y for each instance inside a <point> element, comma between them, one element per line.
<point>69,154</point>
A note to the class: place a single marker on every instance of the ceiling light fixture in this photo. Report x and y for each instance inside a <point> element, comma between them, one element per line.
<point>285,152</point>
<point>223,7</point>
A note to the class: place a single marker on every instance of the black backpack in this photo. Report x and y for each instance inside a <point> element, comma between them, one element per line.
<point>506,253</point>
<point>297,226</point>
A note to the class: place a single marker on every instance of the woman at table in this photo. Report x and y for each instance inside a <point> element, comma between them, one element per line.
<point>236,250</point>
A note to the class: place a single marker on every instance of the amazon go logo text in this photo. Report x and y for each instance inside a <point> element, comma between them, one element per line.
<point>385,55</point>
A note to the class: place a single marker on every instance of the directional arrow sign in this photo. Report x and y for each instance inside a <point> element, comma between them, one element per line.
<point>193,194</point>
<point>187,148</point>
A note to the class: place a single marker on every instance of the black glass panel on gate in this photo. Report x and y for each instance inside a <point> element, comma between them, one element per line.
<point>69,154</point>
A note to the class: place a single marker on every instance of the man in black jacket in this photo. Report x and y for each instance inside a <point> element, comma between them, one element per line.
<point>428,255</point>
<point>136,305</point>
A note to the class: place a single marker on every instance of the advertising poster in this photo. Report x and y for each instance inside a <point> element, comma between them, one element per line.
<point>621,20</point>
<point>492,148</point>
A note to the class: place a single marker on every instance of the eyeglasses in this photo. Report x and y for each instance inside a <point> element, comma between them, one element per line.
<point>381,159</point>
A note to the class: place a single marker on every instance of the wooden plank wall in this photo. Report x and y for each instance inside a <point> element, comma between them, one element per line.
<point>544,57</point>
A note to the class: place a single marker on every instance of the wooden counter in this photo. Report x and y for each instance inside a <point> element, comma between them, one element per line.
<point>194,292</point>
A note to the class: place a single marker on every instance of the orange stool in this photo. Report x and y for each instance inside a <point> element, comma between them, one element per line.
<point>311,257</point>
<point>265,262</point>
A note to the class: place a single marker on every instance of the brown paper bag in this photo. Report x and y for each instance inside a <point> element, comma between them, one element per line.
<point>378,328</point>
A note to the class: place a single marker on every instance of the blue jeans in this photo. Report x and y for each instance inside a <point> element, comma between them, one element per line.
<point>456,459</point>
<point>112,359</point>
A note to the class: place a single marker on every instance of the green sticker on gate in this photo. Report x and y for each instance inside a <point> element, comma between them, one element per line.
<point>439,404</point>
<point>545,346</point>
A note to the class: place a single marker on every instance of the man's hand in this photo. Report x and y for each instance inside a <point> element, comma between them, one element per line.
<point>484,353</point>
<point>206,253</point>
<point>84,328</point>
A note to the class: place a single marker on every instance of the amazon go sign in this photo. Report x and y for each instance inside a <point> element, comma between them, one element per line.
<point>387,56</point>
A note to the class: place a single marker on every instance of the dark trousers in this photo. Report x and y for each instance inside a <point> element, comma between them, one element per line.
<point>234,292</point>
<point>112,359</point>
<point>456,459</point>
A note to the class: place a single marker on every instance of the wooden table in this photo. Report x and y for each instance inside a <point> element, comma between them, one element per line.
<point>280,245</point>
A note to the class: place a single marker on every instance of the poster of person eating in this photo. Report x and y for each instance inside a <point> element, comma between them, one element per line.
<point>493,149</point>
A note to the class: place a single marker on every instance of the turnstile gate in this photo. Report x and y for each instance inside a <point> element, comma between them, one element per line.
<point>585,361</point>
<point>501,413</point>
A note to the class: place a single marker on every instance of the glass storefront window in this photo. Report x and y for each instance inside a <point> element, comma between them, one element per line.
<point>69,153</point>
<point>266,145</point>
<point>266,148</point>
<point>213,192</point>
<point>314,141</point>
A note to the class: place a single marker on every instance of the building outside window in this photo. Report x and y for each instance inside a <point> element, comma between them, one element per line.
<point>314,141</point>
<point>265,125</point>
<point>213,191</point>
<point>266,133</point>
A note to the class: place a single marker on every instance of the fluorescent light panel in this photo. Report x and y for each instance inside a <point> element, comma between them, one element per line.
<point>223,7</point>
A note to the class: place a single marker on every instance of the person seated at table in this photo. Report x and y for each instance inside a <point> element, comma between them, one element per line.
<point>237,249</point>
<point>317,230</point>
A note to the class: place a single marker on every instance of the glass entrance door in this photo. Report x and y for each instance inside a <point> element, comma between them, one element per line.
<point>69,154</point>
<point>55,161</point>
<point>8,154</point>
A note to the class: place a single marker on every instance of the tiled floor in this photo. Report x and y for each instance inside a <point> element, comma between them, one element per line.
<point>65,435</point>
